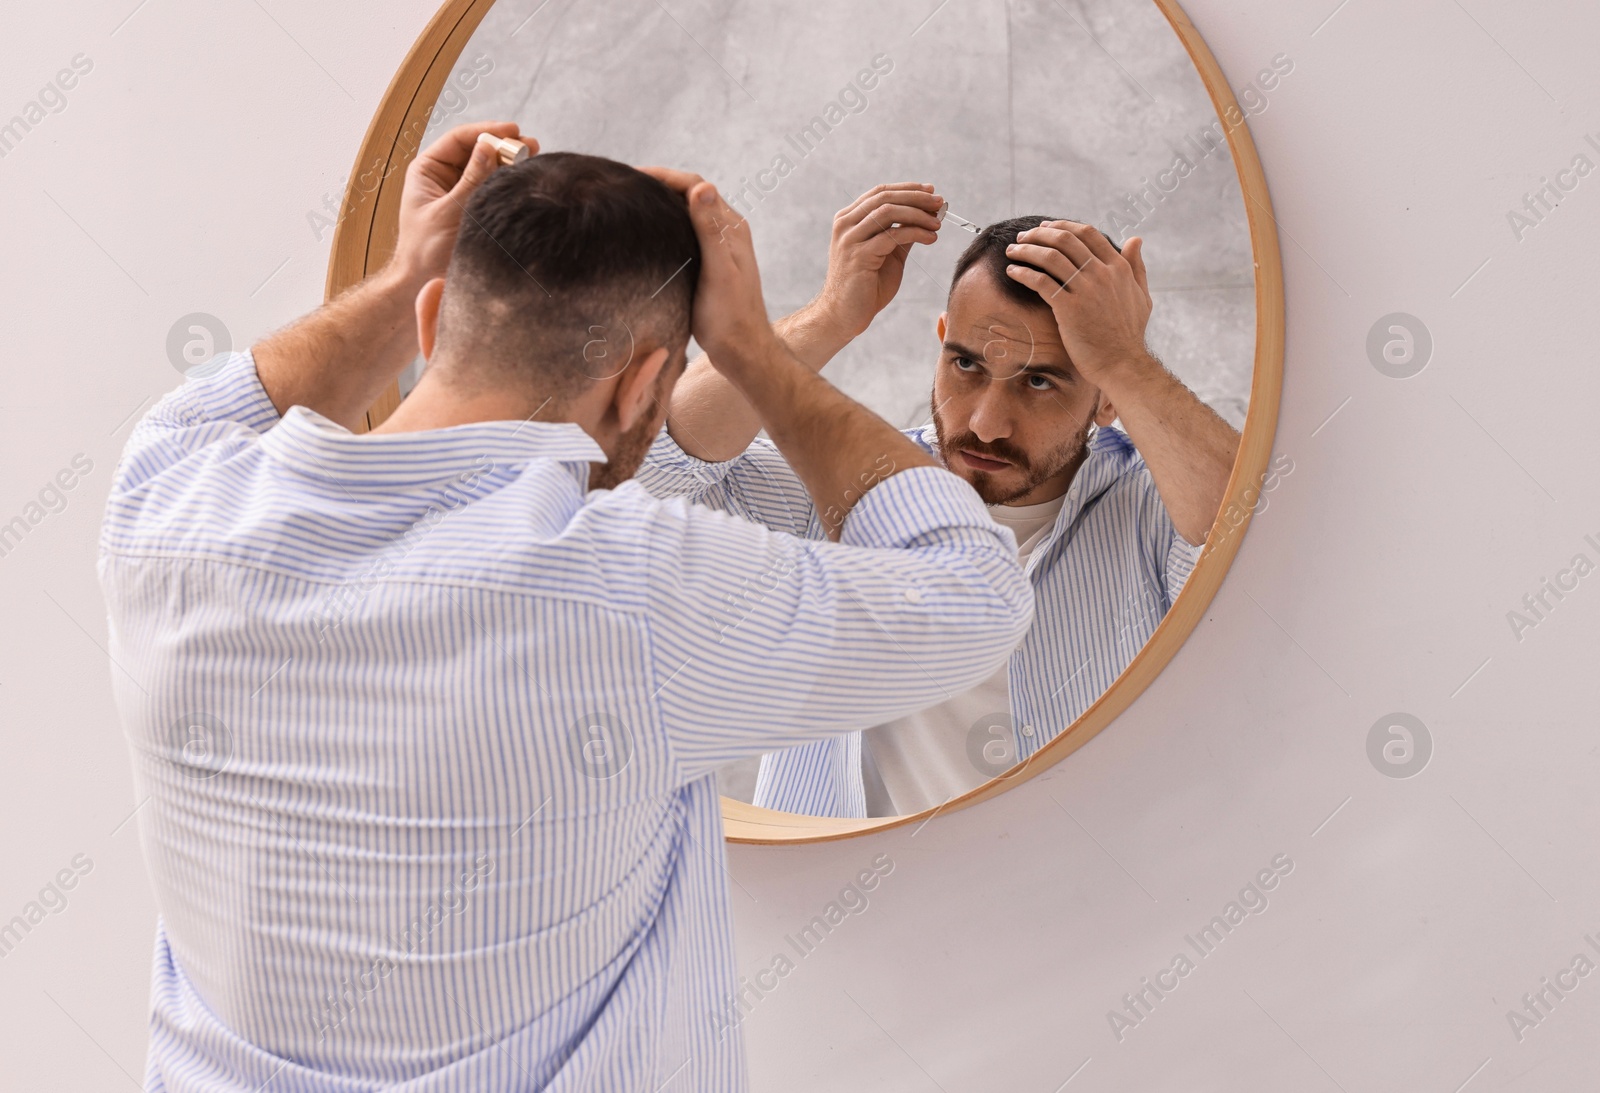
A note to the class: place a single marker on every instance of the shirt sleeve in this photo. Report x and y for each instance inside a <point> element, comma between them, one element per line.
<point>1169,554</point>
<point>228,404</point>
<point>757,485</point>
<point>1181,557</point>
<point>762,640</point>
<point>822,778</point>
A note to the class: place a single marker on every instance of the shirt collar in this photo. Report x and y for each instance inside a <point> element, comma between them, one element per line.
<point>313,445</point>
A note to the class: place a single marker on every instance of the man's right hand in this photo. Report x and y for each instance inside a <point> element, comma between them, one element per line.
<point>871,241</point>
<point>438,184</point>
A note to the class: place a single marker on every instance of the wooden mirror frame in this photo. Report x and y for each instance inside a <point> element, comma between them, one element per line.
<point>364,239</point>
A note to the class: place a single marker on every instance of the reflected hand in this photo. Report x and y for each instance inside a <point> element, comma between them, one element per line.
<point>439,183</point>
<point>867,253</point>
<point>730,318</point>
<point>1101,299</point>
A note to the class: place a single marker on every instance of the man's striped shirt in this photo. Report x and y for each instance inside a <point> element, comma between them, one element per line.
<point>424,734</point>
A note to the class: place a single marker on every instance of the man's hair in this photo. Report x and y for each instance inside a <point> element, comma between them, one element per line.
<point>564,263</point>
<point>988,250</point>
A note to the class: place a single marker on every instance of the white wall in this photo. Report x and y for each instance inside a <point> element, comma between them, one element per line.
<point>178,180</point>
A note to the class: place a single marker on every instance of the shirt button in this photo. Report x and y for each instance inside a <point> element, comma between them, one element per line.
<point>1027,730</point>
<point>913,596</point>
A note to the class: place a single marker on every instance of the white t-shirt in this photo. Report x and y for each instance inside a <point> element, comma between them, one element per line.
<point>921,760</point>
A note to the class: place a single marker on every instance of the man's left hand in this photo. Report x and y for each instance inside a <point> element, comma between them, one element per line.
<point>1101,299</point>
<point>439,183</point>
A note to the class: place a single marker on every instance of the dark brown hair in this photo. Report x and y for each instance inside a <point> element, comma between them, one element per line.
<point>558,255</point>
<point>989,251</point>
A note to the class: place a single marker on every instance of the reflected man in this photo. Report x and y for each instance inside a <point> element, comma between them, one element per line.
<point>1042,357</point>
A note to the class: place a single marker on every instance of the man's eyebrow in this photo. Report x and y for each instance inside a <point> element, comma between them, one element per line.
<point>1060,371</point>
<point>961,351</point>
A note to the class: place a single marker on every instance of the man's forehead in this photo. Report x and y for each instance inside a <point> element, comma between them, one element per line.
<point>991,325</point>
<point>979,312</point>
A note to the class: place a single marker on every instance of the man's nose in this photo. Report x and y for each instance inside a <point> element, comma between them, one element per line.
<point>991,415</point>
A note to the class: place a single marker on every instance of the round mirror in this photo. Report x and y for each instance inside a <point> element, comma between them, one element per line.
<point>1110,113</point>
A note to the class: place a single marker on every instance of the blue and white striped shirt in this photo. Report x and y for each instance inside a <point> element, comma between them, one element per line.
<point>1103,577</point>
<point>424,735</point>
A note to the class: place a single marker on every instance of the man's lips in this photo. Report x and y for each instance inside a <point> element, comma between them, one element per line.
<point>983,462</point>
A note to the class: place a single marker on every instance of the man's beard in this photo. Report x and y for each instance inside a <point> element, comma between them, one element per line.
<point>631,449</point>
<point>1035,472</point>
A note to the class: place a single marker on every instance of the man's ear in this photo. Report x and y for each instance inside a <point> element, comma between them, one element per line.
<point>428,314</point>
<point>1104,413</point>
<point>635,396</point>
<point>939,327</point>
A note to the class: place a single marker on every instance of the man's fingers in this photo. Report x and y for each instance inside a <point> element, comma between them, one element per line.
<point>456,163</point>
<point>885,217</point>
<point>1042,283</point>
<point>880,188</point>
<point>724,234</point>
<point>1090,236</point>
<point>922,200</point>
<point>1060,239</point>
<point>900,237</point>
<point>715,221</point>
<point>1049,259</point>
<point>455,148</point>
<point>482,164</point>
<point>1133,251</point>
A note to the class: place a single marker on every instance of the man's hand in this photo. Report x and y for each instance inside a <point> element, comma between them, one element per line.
<point>1101,306</point>
<point>709,418</point>
<point>867,253</point>
<point>730,317</point>
<point>837,447</point>
<point>1101,299</point>
<point>338,359</point>
<point>439,183</point>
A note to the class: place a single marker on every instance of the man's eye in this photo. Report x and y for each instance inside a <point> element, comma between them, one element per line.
<point>965,364</point>
<point>1037,382</point>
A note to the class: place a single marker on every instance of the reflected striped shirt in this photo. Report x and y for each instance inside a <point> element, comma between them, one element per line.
<point>1103,578</point>
<point>425,734</point>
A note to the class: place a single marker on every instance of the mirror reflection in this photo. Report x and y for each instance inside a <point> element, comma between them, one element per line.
<point>922,201</point>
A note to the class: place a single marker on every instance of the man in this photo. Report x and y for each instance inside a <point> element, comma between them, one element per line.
<point>426,720</point>
<point>1041,349</point>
